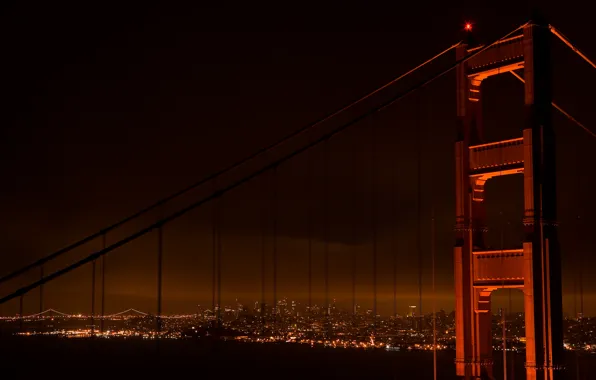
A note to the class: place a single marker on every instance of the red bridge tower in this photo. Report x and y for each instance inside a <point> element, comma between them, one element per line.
<point>534,268</point>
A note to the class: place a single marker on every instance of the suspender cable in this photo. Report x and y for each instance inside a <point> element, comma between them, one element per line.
<point>579,279</point>
<point>93,270</point>
<point>103,283</point>
<point>214,255</point>
<point>21,313</point>
<point>373,208</point>
<point>326,233</point>
<point>354,230</point>
<point>568,43</point>
<point>432,250</point>
<point>41,289</point>
<point>419,216</point>
<point>503,317</point>
<point>219,207</point>
<point>394,282</point>
<point>354,282</point>
<point>512,366</point>
<point>394,241</point>
<point>579,264</point>
<point>159,276</point>
<point>502,247</point>
<point>427,118</point>
<point>263,262</point>
<point>274,226</point>
<point>509,311</point>
<point>581,286</point>
<point>254,174</point>
<point>309,226</point>
<point>581,258</point>
<point>579,261</point>
<point>504,327</point>
<point>41,296</point>
<point>575,288</point>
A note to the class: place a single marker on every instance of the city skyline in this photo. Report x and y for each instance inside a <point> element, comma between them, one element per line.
<point>384,305</point>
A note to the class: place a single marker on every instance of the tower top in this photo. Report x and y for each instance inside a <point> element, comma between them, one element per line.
<point>468,36</point>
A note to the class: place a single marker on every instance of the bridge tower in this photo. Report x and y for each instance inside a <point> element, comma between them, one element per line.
<point>534,268</point>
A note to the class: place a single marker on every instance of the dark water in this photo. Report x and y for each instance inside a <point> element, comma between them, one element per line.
<point>29,357</point>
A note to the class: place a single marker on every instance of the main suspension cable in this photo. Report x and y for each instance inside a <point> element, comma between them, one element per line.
<point>566,41</point>
<point>254,174</point>
<point>558,108</point>
<point>219,173</point>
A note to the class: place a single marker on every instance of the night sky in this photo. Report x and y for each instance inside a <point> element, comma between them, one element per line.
<point>108,108</point>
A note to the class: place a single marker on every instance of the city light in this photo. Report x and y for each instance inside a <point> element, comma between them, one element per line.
<point>320,326</point>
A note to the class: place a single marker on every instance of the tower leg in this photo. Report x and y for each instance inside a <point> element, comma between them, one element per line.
<point>479,364</point>
<point>543,309</point>
<point>460,358</point>
<point>529,313</point>
<point>484,340</point>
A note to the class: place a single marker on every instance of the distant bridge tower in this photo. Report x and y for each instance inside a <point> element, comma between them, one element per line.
<point>535,268</point>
